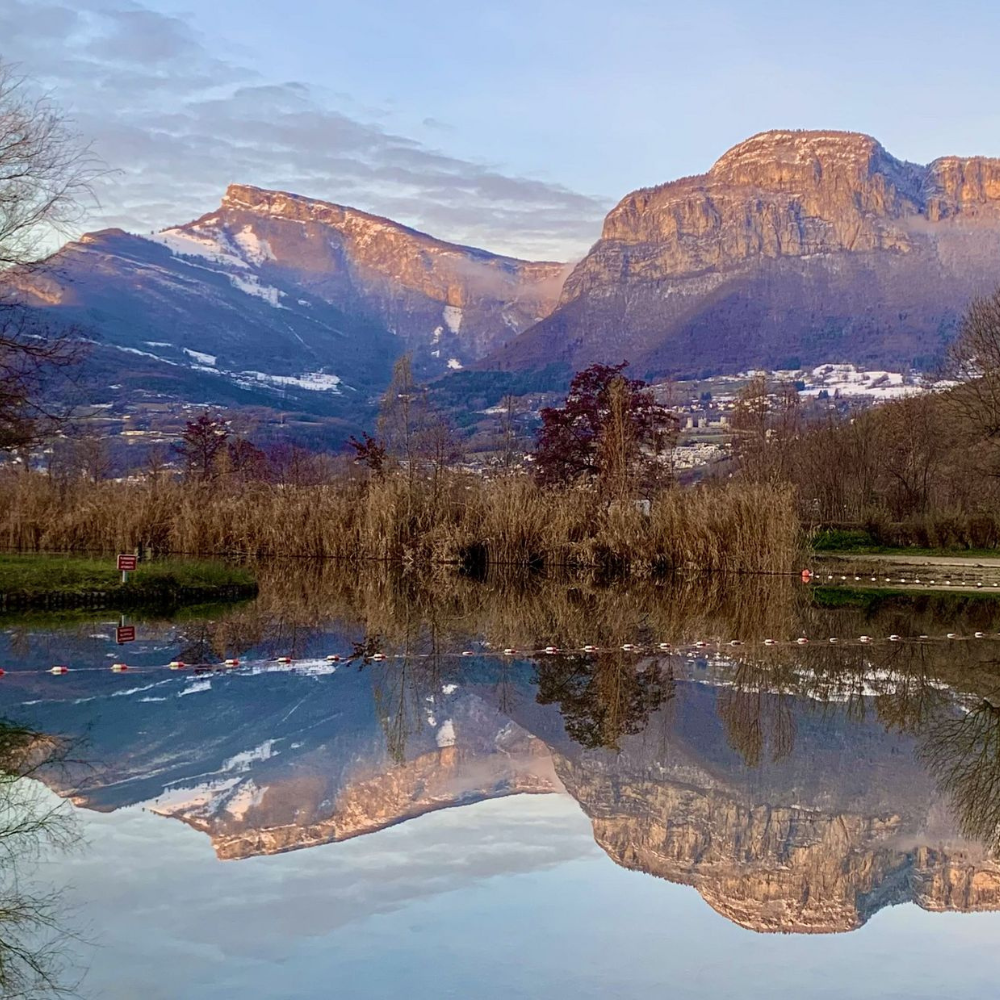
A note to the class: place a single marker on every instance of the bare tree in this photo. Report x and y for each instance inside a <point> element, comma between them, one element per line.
<point>202,445</point>
<point>46,174</point>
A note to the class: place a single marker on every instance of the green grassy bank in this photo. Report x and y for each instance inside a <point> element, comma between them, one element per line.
<point>42,581</point>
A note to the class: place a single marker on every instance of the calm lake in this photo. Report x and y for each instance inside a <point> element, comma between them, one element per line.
<point>738,815</point>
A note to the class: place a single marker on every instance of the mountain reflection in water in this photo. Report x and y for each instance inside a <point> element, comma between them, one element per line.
<point>798,789</point>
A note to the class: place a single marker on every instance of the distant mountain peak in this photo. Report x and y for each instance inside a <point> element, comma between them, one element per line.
<point>795,245</point>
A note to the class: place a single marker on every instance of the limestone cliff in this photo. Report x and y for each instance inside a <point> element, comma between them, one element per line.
<point>815,245</point>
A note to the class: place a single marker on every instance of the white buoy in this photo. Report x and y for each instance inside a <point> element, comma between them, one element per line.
<point>701,644</point>
<point>833,638</point>
<point>590,649</point>
<point>951,635</point>
<point>665,645</point>
<point>284,659</point>
<point>802,640</point>
<point>378,657</point>
<point>177,664</point>
<point>509,651</point>
<point>979,635</point>
<point>770,642</point>
<point>628,647</point>
<point>735,642</point>
<point>119,668</point>
<point>865,638</point>
<point>894,638</point>
<point>468,652</point>
<point>552,650</point>
<point>333,658</point>
<point>59,670</point>
<point>233,662</point>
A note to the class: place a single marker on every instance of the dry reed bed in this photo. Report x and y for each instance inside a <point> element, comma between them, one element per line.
<point>460,519</point>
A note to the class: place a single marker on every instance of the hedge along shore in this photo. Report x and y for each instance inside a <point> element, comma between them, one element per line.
<point>454,518</point>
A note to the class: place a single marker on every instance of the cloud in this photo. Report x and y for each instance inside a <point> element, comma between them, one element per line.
<point>180,122</point>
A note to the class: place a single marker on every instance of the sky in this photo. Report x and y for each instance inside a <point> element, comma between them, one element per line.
<point>513,125</point>
<point>507,899</point>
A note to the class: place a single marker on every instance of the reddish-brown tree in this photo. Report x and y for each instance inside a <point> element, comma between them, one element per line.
<point>569,443</point>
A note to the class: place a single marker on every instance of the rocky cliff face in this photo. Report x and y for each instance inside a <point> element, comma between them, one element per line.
<point>788,868</point>
<point>817,841</point>
<point>277,294</point>
<point>813,245</point>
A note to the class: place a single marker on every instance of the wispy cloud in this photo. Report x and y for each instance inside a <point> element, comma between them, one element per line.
<point>180,122</point>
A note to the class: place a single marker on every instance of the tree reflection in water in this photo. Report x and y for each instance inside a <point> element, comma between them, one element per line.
<point>603,697</point>
<point>33,962</point>
<point>963,754</point>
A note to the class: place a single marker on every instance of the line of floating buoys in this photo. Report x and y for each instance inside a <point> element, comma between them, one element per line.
<point>665,647</point>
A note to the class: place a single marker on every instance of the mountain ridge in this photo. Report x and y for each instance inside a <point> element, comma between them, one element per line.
<point>809,244</point>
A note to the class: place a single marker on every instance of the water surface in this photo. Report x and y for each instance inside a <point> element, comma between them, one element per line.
<point>706,820</point>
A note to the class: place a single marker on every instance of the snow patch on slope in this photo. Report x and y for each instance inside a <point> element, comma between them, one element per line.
<point>205,359</point>
<point>314,381</point>
<point>250,285</point>
<point>452,318</point>
<point>254,248</point>
<point>186,243</point>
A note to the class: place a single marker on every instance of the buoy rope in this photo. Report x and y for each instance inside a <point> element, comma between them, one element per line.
<point>685,648</point>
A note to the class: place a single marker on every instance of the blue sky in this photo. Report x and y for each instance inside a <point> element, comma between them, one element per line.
<point>514,125</point>
<point>509,898</point>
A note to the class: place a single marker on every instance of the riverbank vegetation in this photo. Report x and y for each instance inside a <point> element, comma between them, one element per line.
<point>456,518</point>
<point>597,493</point>
<point>52,581</point>
<point>921,472</point>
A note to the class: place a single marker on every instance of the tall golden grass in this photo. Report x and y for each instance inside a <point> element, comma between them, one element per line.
<point>463,519</point>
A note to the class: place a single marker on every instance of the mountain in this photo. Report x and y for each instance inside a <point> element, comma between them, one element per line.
<point>796,248</point>
<point>274,298</point>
